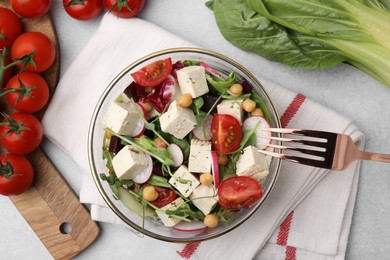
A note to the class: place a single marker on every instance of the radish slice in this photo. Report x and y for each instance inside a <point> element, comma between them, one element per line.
<point>177,154</point>
<point>192,226</point>
<point>261,122</point>
<point>139,128</point>
<point>215,168</point>
<point>209,69</point>
<point>198,130</point>
<point>143,176</point>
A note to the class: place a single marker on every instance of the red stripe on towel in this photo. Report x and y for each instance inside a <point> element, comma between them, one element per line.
<point>188,250</point>
<point>289,113</point>
<point>284,230</point>
<point>291,253</point>
<point>292,109</point>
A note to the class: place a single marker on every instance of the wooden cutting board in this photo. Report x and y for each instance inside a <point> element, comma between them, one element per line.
<point>50,206</point>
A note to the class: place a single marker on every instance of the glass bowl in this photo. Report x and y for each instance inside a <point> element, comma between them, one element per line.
<point>150,226</point>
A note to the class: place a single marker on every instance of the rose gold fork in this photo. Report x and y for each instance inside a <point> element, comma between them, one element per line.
<point>319,148</point>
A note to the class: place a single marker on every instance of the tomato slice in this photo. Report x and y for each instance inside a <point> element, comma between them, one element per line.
<point>226,133</point>
<point>165,196</point>
<point>153,74</point>
<point>239,192</point>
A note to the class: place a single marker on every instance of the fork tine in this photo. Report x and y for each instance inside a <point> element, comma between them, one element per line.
<point>302,150</point>
<point>295,159</point>
<point>306,142</point>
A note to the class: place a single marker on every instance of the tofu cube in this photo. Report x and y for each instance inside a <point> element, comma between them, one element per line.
<point>120,118</point>
<point>189,181</point>
<point>200,156</point>
<point>231,107</point>
<point>252,163</point>
<point>204,198</point>
<point>177,120</point>
<point>170,221</point>
<point>128,163</point>
<point>192,80</point>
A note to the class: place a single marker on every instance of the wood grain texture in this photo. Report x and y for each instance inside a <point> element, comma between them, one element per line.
<point>51,203</point>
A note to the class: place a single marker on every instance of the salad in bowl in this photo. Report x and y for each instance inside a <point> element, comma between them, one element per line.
<point>173,145</point>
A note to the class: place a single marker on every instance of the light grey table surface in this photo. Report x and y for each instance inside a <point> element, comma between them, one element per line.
<point>343,88</point>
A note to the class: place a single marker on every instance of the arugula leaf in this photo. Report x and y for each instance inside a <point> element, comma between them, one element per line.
<point>149,145</point>
<point>115,183</point>
<point>219,84</point>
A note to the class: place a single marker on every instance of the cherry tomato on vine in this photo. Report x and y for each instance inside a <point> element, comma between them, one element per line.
<point>83,9</point>
<point>153,74</point>
<point>10,28</point>
<point>20,133</point>
<point>30,8</point>
<point>16,174</point>
<point>39,46</point>
<point>239,192</point>
<point>124,8</point>
<point>226,133</point>
<point>27,92</point>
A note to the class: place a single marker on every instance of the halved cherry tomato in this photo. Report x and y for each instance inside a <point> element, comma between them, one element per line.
<point>10,27</point>
<point>31,92</point>
<point>16,174</point>
<point>226,133</point>
<point>239,192</point>
<point>21,133</point>
<point>31,8</point>
<point>153,74</point>
<point>37,42</point>
<point>83,9</point>
<point>124,8</point>
<point>165,196</point>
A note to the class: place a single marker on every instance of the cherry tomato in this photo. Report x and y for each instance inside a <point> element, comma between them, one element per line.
<point>30,8</point>
<point>83,9</point>
<point>124,8</point>
<point>226,133</point>
<point>10,28</point>
<point>153,74</point>
<point>165,196</point>
<point>21,133</point>
<point>239,192</point>
<point>32,92</point>
<point>16,174</point>
<point>29,42</point>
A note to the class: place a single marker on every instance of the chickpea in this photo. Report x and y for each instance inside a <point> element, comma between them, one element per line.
<point>149,193</point>
<point>257,112</point>
<point>235,90</point>
<point>147,106</point>
<point>211,220</point>
<point>206,178</point>
<point>249,105</point>
<point>223,159</point>
<point>185,100</point>
<point>159,143</point>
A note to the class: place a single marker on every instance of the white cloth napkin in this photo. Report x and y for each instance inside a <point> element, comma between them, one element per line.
<point>307,215</point>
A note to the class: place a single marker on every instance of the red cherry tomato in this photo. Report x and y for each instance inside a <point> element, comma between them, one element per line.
<point>165,196</point>
<point>83,9</point>
<point>30,8</point>
<point>10,28</point>
<point>29,42</point>
<point>21,133</point>
<point>153,74</point>
<point>124,8</point>
<point>16,174</point>
<point>36,96</point>
<point>226,133</point>
<point>239,192</point>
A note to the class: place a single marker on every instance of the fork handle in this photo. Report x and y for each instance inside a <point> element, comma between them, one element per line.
<point>375,157</point>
